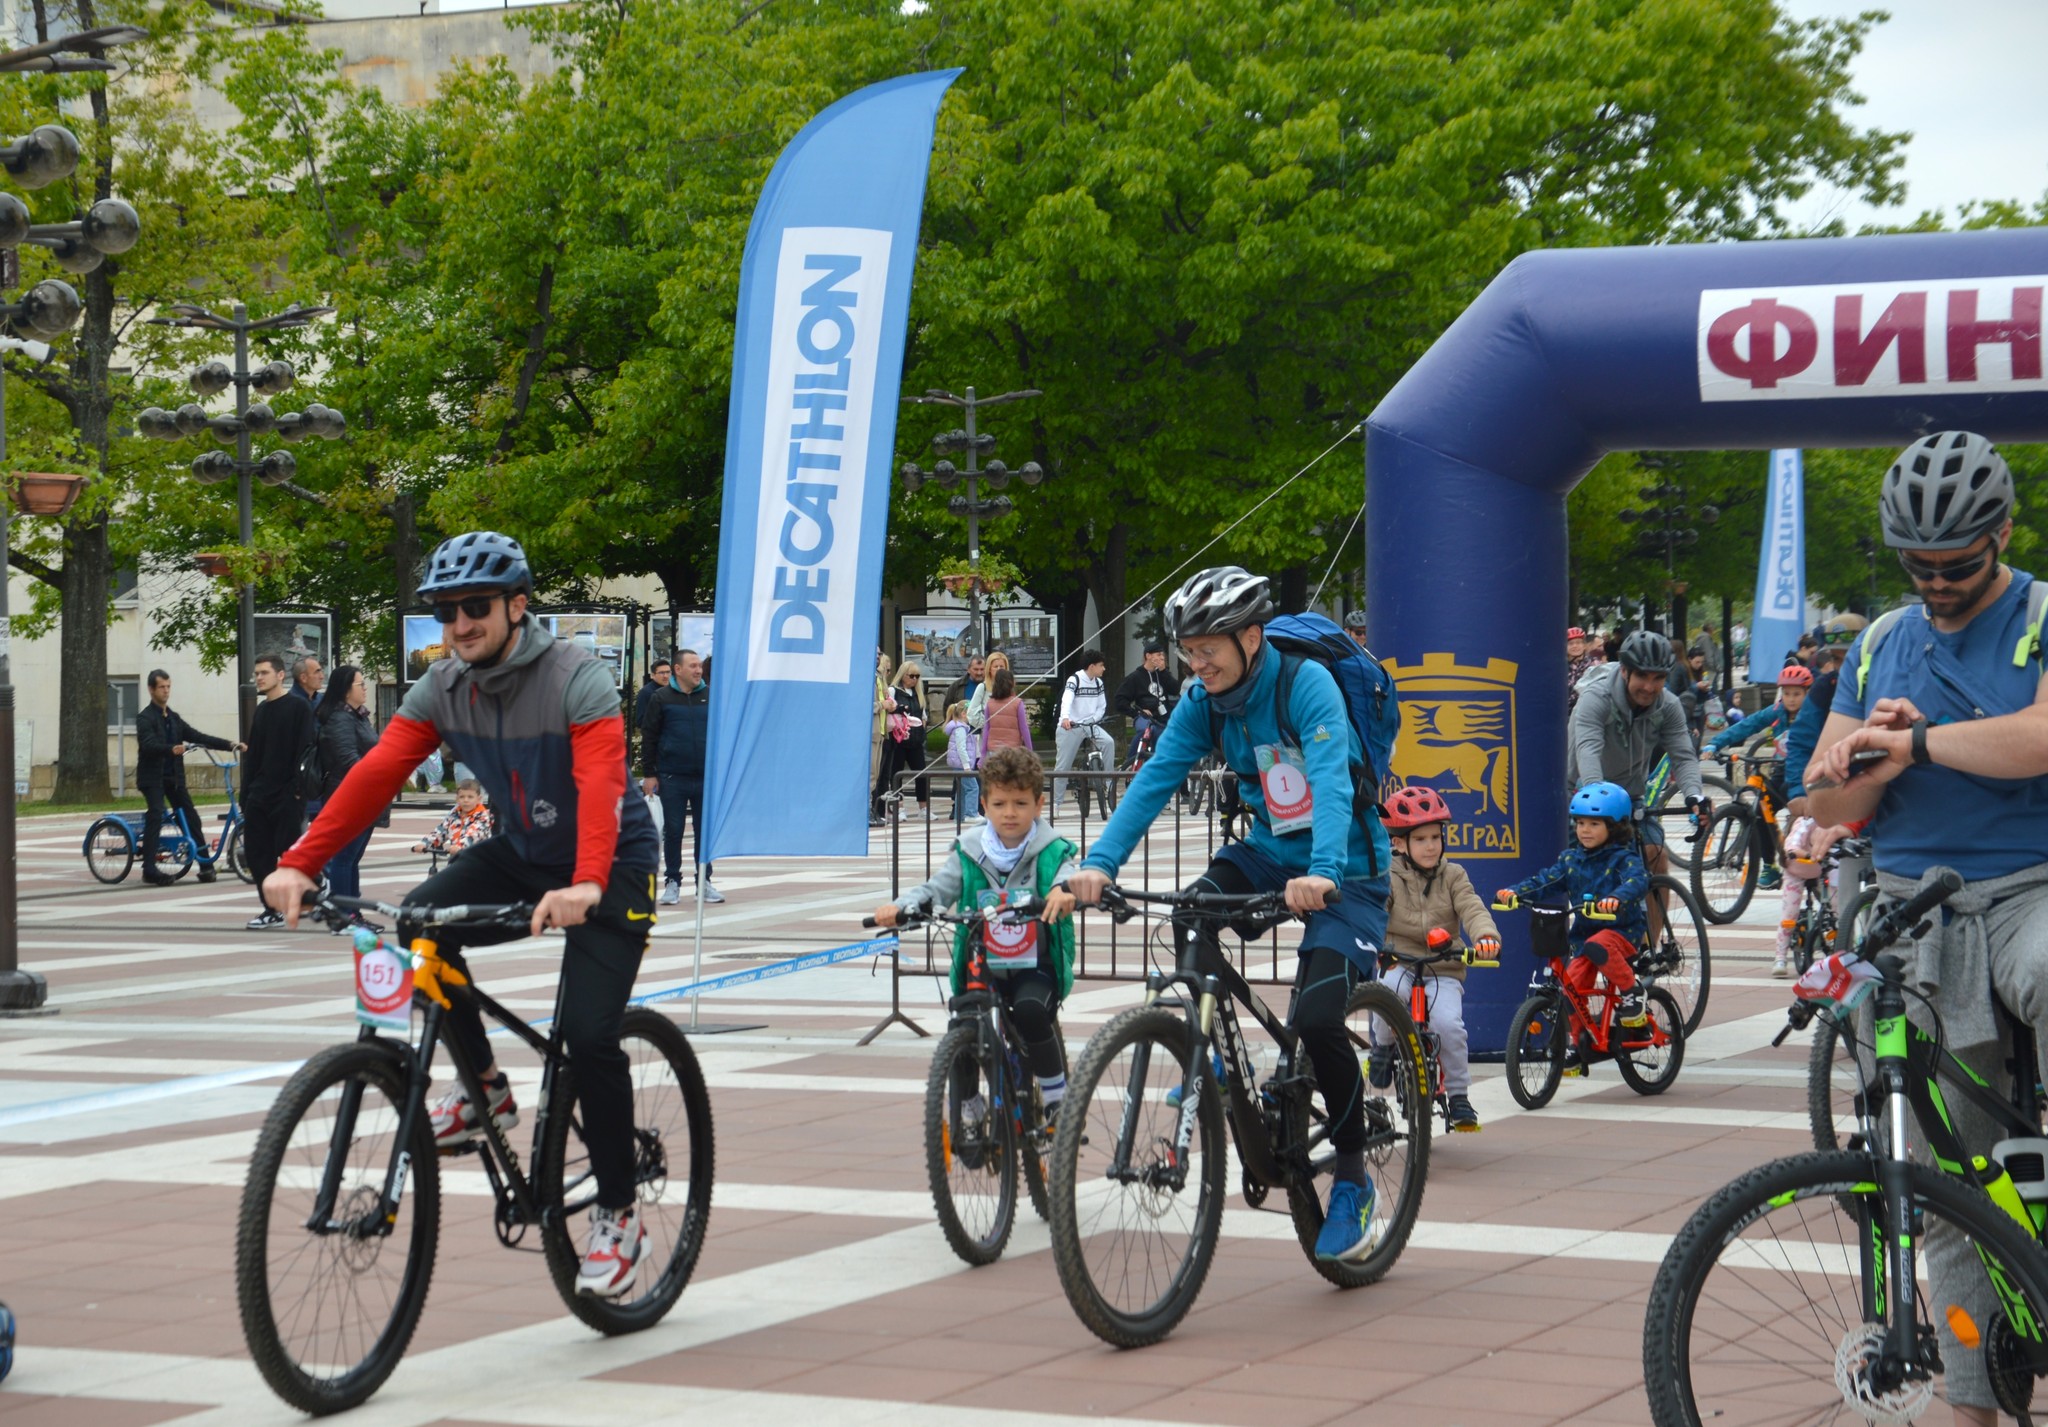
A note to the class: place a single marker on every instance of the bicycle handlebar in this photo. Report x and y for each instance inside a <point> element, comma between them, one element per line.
<point>1589,910</point>
<point>1022,905</point>
<point>1122,902</point>
<point>423,915</point>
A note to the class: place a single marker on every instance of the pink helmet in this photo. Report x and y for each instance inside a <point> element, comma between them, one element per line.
<point>1415,807</point>
<point>1797,676</point>
<point>1575,633</point>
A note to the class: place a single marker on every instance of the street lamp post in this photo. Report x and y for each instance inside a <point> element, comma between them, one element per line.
<point>249,420</point>
<point>972,507</point>
<point>1665,534</point>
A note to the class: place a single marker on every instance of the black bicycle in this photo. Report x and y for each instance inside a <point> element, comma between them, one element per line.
<point>1139,1158</point>
<point>341,1210</point>
<point>984,1116</point>
<point>1090,760</point>
<point>1816,929</point>
<point>1796,1293</point>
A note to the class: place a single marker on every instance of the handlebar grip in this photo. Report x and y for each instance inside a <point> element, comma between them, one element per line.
<point>1471,960</point>
<point>1592,913</point>
<point>1946,884</point>
<point>1511,905</point>
<point>1332,897</point>
<point>869,923</point>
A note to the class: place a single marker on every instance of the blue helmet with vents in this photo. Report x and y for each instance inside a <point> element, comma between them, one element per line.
<point>478,560</point>
<point>1603,800</point>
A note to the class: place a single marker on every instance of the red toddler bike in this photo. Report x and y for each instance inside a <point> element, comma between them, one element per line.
<point>1559,1031</point>
<point>1421,989</point>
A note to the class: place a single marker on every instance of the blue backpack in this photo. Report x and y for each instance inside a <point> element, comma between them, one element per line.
<point>1369,697</point>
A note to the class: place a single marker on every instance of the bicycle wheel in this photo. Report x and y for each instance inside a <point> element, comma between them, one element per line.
<point>236,856</point>
<point>672,1165</point>
<point>109,849</point>
<point>1682,962</point>
<point>1650,1069</point>
<point>1725,869</point>
<point>327,1312</point>
<point>173,853</point>
<point>1834,1085</point>
<point>971,1164</point>
<point>1133,1241</point>
<point>1677,844</point>
<point>1397,1129</point>
<point>1758,1314</point>
<point>1536,1048</point>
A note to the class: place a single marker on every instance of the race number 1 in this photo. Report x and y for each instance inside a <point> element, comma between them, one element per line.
<point>383,989</point>
<point>1290,805</point>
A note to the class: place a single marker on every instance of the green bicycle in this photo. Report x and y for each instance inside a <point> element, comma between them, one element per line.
<point>1796,1293</point>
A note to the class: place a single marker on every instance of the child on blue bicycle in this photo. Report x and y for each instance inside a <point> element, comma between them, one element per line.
<point>1031,965</point>
<point>1606,870</point>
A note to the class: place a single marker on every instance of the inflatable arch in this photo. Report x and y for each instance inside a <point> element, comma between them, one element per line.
<point>1569,355</point>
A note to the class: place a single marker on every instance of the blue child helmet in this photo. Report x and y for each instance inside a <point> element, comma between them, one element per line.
<point>1602,800</point>
<point>477,560</point>
<point>6,1341</point>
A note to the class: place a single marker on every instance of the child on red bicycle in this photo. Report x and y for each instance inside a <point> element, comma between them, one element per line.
<point>1031,966</point>
<point>1427,893</point>
<point>1606,870</point>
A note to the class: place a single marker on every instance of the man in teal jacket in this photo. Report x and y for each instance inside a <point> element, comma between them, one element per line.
<point>1307,838</point>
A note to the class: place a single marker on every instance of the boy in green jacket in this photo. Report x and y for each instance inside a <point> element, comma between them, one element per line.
<point>1031,965</point>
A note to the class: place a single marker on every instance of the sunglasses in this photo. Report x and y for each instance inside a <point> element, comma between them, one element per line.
<point>475,606</point>
<point>1953,574</point>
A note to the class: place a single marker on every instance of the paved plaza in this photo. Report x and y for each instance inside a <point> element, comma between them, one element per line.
<point>826,1294</point>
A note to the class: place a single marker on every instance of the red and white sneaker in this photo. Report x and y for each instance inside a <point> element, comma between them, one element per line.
<point>618,1242</point>
<point>455,1120</point>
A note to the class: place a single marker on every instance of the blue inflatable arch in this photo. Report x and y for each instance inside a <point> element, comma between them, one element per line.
<point>1569,355</point>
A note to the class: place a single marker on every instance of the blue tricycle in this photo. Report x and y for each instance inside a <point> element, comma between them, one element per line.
<point>114,842</point>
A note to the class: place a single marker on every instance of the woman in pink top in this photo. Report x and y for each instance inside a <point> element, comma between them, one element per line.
<point>1005,724</point>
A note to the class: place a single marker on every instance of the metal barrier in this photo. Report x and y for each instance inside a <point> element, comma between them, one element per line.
<point>1182,841</point>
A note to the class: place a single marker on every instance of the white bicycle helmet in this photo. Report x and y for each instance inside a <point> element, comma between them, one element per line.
<point>1222,600</point>
<point>1946,491</point>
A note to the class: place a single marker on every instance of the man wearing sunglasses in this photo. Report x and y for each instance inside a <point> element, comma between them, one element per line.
<point>1951,693</point>
<point>537,721</point>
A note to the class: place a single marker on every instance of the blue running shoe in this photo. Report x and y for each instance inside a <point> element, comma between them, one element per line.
<point>1349,1233</point>
<point>1770,879</point>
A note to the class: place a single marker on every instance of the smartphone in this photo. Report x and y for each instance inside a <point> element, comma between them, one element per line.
<point>1866,759</point>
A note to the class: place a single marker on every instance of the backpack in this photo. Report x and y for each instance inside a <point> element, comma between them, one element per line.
<point>311,781</point>
<point>1370,698</point>
<point>2029,645</point>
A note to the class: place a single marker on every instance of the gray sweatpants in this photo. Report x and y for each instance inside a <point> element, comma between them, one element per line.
<point>1067,742</point>
<point>1446,1002</point>
<point>2017,930</point>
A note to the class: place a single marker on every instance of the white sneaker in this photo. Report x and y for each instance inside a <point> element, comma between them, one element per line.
<point>1781,967</point>
<point>671,892</point>
<point>712,896</point>
<point>618,1241</point>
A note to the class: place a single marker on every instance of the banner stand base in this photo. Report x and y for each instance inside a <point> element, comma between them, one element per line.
<point>895,1017</point>
<point>719,1029</point>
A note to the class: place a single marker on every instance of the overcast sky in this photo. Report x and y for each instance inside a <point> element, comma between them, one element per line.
<point>1963,76</point>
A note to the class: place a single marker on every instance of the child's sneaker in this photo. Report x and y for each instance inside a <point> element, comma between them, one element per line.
<point>455,1121</point>
<point>973,1117</point>
<point>1770,879</point>
<point>1379,1069</point>
<point>1464,1119</point>
<point>1781,966</point>
<point>1629,1009</point>
<point>1349,1230</point>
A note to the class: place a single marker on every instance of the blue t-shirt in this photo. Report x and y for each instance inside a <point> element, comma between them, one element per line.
<point>1982,827</point>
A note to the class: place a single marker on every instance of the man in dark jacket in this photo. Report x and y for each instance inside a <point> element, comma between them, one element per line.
<point>657,680</point>
<point>672,742</point>
<point>161,738</point>
<point>1146,696</point>
<point>279,736</point>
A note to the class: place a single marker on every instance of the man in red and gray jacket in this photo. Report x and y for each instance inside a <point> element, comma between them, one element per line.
<point>537,721</point>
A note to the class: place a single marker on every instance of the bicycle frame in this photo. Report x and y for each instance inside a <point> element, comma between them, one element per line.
<point>436,980</point>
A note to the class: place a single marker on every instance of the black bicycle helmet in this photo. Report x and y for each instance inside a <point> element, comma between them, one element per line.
<point>1646,652</point>
<point>1222,600</point>
<point>1944,492</point>
<point>478,560</point>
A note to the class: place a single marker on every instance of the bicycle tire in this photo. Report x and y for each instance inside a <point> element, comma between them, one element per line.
<point>957,1162</point>
<point>1689,976</point>
<point>1725,870</point>
<point>236,856</point>
<point>664,1114</point>
<point>1718,790</point>
<point>1536,1049</point>
<point>1833,1087</point>
<point>288,1142</point>
<point>1032,1163</point>
<point>1665,1060</point>
<point>109,849</point>
<point>1818,1197</point>
<point>1036,1148</point>
<point>1398,1127</point>
<point>1090,1119</point>
<point>173,853</point>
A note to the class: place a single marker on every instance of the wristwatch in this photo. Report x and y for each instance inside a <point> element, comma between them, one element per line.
<point>1920,754</point>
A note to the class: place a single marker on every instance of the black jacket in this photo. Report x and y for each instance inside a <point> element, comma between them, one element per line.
<point>1134,694</point>
<point>345,736</point>
<point>279,736</point>
<point>157,731</point>
<point>675,732</point>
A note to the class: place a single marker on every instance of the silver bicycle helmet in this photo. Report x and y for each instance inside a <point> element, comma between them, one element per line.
<point>1944,492</point>
<point>1646,652</point>
<point>478,560</point>
<point>1217,601</point>
<point>1355,620</point>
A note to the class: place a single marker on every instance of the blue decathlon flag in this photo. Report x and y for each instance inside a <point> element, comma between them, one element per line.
<point>1780,615</point>
<point>817,365</point>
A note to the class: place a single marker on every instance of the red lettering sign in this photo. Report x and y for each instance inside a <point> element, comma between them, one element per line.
<point>1857,353</point>
<point>2021,331</point>
<point>1763,365</point>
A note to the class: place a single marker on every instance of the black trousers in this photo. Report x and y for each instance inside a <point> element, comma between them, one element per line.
<point>271,825</point>
<point>1323,983</point>
<point>1033,1001</point>
<point>682,799</point>
<point>902,758</point>
<point>178,799</point>
<point>599,964</point>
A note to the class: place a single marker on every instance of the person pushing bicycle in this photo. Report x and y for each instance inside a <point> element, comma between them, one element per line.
<point>1309,837</point>
<point>1950,698</point>
<point>537,720</point>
